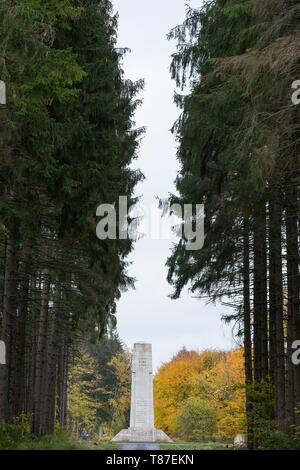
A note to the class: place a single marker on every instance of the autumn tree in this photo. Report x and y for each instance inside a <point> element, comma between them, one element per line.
<point>67,140</point>
<point>239,156</point>
<point>200,396</point>
<point>83,388</point>
<point>120,394</point>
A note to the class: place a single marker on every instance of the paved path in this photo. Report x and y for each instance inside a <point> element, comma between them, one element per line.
<point>139,446</point>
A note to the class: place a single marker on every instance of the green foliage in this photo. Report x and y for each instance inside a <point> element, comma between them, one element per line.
<point>104,353</point>
<point>262,397</point>
<point>228,148</point>
<point>11,435</point>
<point>262,413</point>
<point>62,441</point>
<point>58,441</point>
<point>197,420</point>
<point>270,438</point>
<point>99,388</point>
<point>262,417</point>
<point>68,139</point>
<point>194,446</point>
<point>238,136</point>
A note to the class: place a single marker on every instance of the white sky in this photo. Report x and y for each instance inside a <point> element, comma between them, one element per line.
<point>147,313</point>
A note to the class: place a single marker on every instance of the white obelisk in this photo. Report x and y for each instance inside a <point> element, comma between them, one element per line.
<point>2,93</point>
<point>141,410</point>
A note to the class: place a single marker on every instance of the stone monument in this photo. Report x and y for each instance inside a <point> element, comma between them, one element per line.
<point>2,93</point>
<point>3,377</point>
<point>141,411</point>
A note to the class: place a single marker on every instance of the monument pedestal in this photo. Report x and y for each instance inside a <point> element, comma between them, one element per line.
<point>141,410</point>
<point>138,435</point>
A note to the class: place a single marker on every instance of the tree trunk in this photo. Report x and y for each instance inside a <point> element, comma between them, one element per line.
<point>62,381</point>
<point>20,382</point>
<point>3,393</point>
<point>9,327</point>
<point>292,251</point>
<point>260,296</point>
<point>38,398</point>
<point>32,337</point>
<point>247,334</point>
<point>276,312</point>
<point>52,362</point>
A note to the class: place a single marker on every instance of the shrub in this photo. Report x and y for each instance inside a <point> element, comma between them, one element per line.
<point>11,435</point>
<point>197,420</point>
<point>277,440</point>
<point>60,441</point>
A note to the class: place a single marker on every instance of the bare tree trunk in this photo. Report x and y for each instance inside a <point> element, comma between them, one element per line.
<point>293,373</point>
<point>276,312</point>
<point>9,327</point>
<point>52,363</point>
<point>260,296</point>
<point>32,337</point>
<point>247,334</point>
<point>38,398</point>
<point>62,381</point>
<point>20,382</point>
<point>3,393</point>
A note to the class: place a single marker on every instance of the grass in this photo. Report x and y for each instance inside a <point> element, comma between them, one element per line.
<point>62,442</point>
<point>194,446</point>
<point>106,446</point>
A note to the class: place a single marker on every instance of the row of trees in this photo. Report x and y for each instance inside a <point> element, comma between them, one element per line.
<point>201,396</point>
<point>239,155</point>
<point>99,388</point>
<point>67,140</point>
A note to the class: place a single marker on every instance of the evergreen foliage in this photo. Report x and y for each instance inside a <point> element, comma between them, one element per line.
<point>67,140</point>
<point>239,155</point>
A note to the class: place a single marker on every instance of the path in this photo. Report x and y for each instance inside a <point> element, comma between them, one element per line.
<point>139,446</point>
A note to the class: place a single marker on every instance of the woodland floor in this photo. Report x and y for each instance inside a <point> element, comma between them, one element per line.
<point>194,446</point>
<point>62,442</point>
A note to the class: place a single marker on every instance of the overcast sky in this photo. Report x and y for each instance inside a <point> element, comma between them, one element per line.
<point>147,313</point>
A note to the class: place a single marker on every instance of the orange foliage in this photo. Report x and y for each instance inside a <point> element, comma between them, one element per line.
<point>215,376</point>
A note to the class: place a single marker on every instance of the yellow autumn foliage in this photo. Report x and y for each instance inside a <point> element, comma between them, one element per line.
<point>213,376</point>
<point>82,397</point>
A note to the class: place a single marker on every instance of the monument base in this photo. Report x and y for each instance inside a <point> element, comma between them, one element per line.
<point>139,435</point>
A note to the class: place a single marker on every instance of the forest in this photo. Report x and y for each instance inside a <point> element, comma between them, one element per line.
<point>238,136</point>
<point>68,140</point>
<point>201,396</point>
